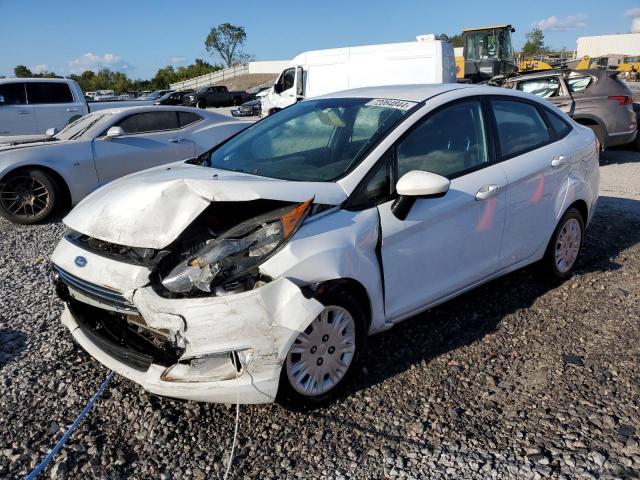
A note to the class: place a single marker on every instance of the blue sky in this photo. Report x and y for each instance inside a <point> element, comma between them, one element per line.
<point>138,37</point>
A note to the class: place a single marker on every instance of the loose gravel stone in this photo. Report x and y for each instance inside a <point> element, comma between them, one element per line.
<point>479,387</point>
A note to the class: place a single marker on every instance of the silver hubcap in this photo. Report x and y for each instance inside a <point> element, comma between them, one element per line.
<point>568,245</point>
<point>321,355</point>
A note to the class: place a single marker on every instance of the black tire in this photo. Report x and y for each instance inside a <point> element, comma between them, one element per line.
<point>201,104</point>
<point>635,145</point>
<point>288,396</point>
<point>36,191</point>
<point>550,263</point>
<point>597,130</point>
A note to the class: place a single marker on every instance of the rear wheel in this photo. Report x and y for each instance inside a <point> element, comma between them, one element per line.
<point>28,196</point>
<point>566,243</point>
<point>322,357</point>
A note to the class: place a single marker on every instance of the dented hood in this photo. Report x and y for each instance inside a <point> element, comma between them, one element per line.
<point>149,209</point>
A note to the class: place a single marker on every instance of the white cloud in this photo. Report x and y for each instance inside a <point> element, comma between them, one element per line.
<point>91,61</point>
<point>176,60</point>
<point>634,14</point>
<point>561,24</point>
<point>39,68</point>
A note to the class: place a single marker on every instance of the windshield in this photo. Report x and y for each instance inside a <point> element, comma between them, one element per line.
<point>486,44</point>
<point>314,141</point>
<point>77,128</point>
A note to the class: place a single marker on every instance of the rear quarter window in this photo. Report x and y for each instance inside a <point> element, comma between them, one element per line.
<point>187,118</point>
<point>48,92</point>
<point>578,84</point>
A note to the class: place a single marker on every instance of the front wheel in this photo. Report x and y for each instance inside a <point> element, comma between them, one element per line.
<point>322,357</point>
<point>28,196</point>
<point>201,104</point>
<point>566,243</point>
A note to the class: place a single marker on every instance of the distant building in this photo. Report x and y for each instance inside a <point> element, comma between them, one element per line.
<point>600,45</point>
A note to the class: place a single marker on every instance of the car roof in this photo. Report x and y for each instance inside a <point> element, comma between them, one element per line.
<point>31,79</point>
<point>411,93</point>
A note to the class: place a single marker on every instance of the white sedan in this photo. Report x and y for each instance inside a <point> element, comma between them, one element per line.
<point>40,173</point>
<point>259,269</point>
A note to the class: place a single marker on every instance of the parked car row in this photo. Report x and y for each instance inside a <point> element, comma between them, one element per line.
<point>256,270</point>
<point>39,174</point>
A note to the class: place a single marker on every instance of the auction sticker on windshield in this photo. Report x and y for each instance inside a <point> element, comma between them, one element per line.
<point>389,103</point>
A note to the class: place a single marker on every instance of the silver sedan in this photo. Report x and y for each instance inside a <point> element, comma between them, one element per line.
<point>39,174</point>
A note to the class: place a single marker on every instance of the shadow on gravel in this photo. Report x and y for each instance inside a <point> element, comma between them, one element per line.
<point>12,342</point>
<point>468,318</point>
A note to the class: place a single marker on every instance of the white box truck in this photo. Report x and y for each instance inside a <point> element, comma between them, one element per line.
<point>318,72</point>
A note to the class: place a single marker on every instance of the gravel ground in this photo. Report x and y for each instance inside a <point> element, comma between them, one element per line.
<point>517,379</point>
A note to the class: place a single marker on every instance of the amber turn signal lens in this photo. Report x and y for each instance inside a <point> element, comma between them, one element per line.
<point>291,219</point>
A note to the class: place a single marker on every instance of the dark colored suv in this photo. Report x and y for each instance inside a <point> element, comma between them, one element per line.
<point>594,98</point>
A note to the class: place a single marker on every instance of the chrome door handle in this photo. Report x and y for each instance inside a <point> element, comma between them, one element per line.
<point>72,109</point>
<point>559,161</point>
<point>176,140</point>
<point>487,191</point>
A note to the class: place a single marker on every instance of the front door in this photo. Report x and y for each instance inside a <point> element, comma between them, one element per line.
<point>16,117</point>
<point>150,139</point>
<point>285,89</point>
<point>444,244</point>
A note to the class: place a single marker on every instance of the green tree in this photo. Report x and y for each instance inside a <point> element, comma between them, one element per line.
<point>22,72</point>
<point>164,77</point>
<point>455,40</point>
<point>226,40</point>
<point>534,44</point>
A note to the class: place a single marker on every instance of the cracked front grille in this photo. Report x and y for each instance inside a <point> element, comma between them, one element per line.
<point>95,292</point>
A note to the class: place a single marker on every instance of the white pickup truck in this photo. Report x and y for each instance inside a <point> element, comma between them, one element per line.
<point>31,106</point>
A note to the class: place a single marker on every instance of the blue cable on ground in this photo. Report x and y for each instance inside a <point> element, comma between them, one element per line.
<point>40,468</point>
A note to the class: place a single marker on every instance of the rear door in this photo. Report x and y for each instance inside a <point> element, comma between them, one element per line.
<point>16,117</point>
<point>54,104</point>
<point>151,139</point>
<point>535,165</point>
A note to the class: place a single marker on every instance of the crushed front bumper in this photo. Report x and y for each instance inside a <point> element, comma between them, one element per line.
<point>225,347</point>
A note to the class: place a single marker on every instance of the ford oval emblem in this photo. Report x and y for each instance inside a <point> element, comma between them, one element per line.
<point>80,261</point>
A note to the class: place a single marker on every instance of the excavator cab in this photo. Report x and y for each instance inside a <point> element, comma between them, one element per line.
<point>488,53</point>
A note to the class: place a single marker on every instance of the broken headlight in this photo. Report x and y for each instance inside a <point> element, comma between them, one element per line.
<point>237,252</point>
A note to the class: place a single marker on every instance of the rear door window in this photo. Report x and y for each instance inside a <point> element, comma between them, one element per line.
<point>149,122</point>
<point>13,93</point>
<point>521,128</point>
<point>542,87</point>
<point>48,92</point>
<point>561,127</point>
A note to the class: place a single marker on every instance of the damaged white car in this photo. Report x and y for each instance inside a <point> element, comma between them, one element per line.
<point>260,267</point>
